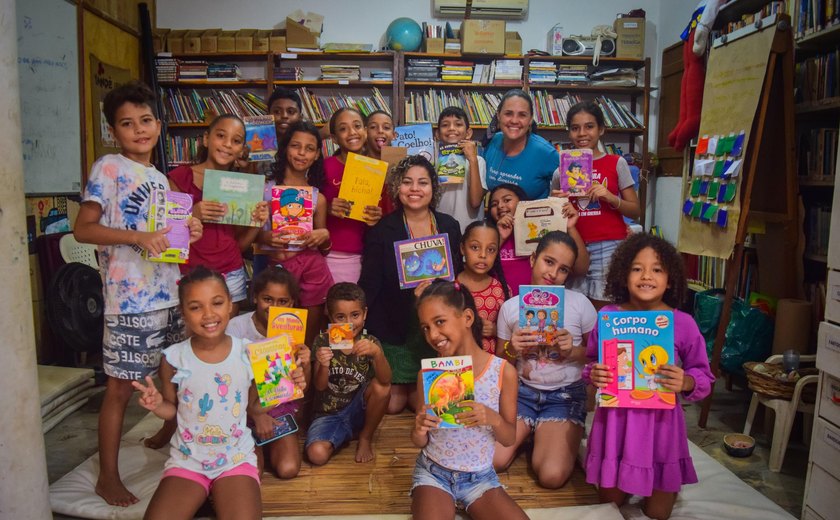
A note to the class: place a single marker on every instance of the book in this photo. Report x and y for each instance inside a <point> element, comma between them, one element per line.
<point>447,382</point>
<point>239,192</point>
<point>541,311</point>
<point>340,335</point>
<point>272,361</point>
<point>261,138</point>
<point>420,259</point>
<point>576,171</point>
<point>417,138</point>
<point>533,219</point>
<point>291,213</point>
<point>173,209</point>
<point>451,164</point>
<point>361,184</point>
<point>634,344</point>
<point>289,322</point>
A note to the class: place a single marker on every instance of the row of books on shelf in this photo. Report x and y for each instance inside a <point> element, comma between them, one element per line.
<point>817,222</point>
<point>818,77</point>
<point>319,108</point>
<point>181,149</point>
<point>181,106</point>
<point>174,69</point>
<point>776,7</point>
<point>815,15</point>
<point>551,110</point>
<point>425,107</point>
<point>818,153</point>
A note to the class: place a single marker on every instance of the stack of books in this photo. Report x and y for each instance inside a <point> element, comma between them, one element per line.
<point>192,70</point>
<point>551,111</point>
<point>483,73</point>
<point>166,70</point>
<point>818,77</point>
<point>382,75</point>
<point>617,114</point>
<point>542,72</point>
<point>456,71</point>
<point>572,75</point>
<point>181,149</point>
<point>341,72</point>
<point>452,46</point>
<point>288,73</point>
<point>508,72</point>
<point>223,72</point>
<point>613,78</point>
<point>423,69</point>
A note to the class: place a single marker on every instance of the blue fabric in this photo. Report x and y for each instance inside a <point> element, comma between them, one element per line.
<point>564,404</point>
<point>340,427</point>
<point>464,487</point>
<point>531,169</point>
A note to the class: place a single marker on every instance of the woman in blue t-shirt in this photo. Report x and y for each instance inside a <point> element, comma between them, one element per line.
<point>517,156</point>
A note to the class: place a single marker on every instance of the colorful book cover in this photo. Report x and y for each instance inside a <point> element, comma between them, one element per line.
<point>418,139</point>
<point>239,192</point>
<point>273,360</point>
<point>447,382</point>
<point>426,258</point>
<point>533,219</point>
<point>541,310</point>
<point>261,138</point>
<point>292,213</point>
<point>575,171</point>
<point>634,344</point>
<point>173,209</point>
<point>451,164</point>
<point>288,322</point>
<point>361,184</point>
<point>340,335</point>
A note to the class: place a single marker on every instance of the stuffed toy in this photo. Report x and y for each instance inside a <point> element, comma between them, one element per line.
<point>696,37</point>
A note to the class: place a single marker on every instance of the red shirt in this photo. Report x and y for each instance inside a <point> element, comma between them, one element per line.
<point>217,248</point>
<point>598,220</point>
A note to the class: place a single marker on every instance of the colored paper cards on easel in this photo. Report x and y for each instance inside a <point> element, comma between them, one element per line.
<point>714,180</point>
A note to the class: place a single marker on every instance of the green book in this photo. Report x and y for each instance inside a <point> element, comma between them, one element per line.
<point>239,192</point>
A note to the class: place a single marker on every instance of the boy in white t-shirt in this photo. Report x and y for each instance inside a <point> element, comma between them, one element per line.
<point>462,201</point>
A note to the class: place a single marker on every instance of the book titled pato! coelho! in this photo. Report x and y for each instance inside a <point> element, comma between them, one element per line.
<point>634,344</point>
<point>273,360</point>
<point>447,383</point>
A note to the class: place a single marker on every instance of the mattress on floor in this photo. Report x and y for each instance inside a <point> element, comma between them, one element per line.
<point>720,494</point>
<point>53,382</point>
<point>61,412</point>
<point>72,394</point>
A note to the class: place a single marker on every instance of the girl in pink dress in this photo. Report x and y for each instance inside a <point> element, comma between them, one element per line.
<point>643,451</point>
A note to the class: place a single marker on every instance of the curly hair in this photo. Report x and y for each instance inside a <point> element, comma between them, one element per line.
<point>133,92</point>
<point>345,292</point>
<point>622,260</point>
<point>398,171</point>
<point>315,176</point>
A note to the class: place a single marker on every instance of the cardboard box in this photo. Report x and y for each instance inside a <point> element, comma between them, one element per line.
<point>226,41</point>
<point>245,40</point>
<point>159,37</point>
<point>483,37</point>
<point>192,42</point>
<point>513,43</point>
<point>448,41</point>
<point>630,42</point>
<point>175,41</point>
<point>210,40</point>
<point>261,40</point>
<point>277,41</point>
<point>298,36</point>
<point>434,45</point>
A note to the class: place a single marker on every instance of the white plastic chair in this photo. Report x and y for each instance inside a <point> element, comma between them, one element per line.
<point>785,411</point>
<point>73,251</point>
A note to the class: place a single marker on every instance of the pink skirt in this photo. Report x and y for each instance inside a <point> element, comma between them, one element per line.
<point>345,267</point>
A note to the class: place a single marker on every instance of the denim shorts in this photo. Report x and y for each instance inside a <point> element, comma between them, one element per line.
<point>567,403</point>
<point>595,281</point>
<point>465,487</point>
<point>237,282</point>
<point>340,427</point>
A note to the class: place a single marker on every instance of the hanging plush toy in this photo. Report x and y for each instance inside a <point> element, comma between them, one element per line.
<point>696,38</point>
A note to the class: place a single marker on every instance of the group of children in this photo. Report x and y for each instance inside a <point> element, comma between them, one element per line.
<point>190,332</point>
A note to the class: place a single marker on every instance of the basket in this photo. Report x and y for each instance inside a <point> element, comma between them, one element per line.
<point>767,384</point>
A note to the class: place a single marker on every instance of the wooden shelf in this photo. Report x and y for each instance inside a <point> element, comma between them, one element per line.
<point>819,39</point>
<point>823,105</point>
<point>215,84</point>
<point>824,183</point>
<point>317,55</point>
<point>633,91</point>
<point>732,10</point>
<point>576,60</point>
<point>823,259</point>
<point>217,56</point>
<point>459,84</point>
<point>332,83</point>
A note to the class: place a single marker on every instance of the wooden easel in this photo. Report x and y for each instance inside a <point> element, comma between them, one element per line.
<point>771,155</point>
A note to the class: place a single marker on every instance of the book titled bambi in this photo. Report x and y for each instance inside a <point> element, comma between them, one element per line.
<point>447,383</point>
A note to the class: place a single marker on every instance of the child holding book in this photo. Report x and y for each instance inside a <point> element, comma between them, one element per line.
<point>483,276</point>
<point>462,201</point>
<point>204,381</point>
<point>347,129</point>
<point>611,197</point>
<point>353,386</point>
<point>552,395</point>
<point>379,126</point>
<point>222,245</point>
<point>141,303</point>
<point>300,164</point>
<point>634,451</point>
<point>273,287</point>
<point>455,465</point>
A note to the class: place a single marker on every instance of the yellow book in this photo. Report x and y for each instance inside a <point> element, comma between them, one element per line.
<point>272,361</point>
<point>362,183</point>
<point>287,321</point>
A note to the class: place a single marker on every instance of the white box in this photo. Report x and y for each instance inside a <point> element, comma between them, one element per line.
<point>825,446</point>
<point>555,41</point>
<point>808,514</point>
<point>821,494</point>
<point>829,401</point>
<point>828,348</point>
<point>832,295</point>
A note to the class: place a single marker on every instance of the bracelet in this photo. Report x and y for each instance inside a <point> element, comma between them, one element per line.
<point>508,352</point>
<point>617,205</point>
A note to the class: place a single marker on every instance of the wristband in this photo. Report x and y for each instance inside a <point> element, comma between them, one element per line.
<point>617,205</point>
<point>508,352</point>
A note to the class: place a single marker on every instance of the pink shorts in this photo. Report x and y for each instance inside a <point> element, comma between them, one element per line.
<point>313,276</point>
<point>247,470</point>
<point>345,267</point>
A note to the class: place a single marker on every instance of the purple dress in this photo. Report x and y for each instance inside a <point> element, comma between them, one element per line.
<point>640,450</point>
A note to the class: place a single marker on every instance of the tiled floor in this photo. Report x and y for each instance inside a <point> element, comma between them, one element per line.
<point>74,440</point>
